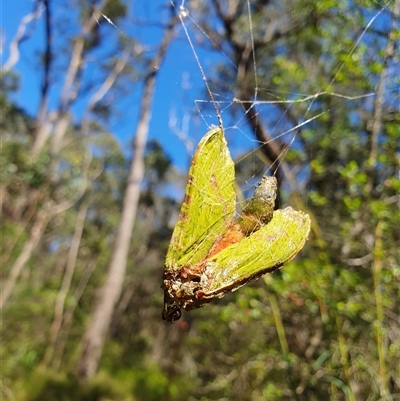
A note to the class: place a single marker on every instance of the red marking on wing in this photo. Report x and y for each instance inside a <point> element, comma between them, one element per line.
<point>233,235</point>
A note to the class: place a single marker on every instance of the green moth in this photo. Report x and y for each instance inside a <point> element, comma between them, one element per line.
<point>213,251</point>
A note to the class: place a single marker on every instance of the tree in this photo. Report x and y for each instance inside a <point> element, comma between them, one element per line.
<point>93,341</point>
<point>56,123</point>
<point>336,155</point>
<point>323,327</point>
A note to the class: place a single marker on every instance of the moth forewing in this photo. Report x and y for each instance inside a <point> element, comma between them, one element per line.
<point>209,203</point>
<point>263,251</point>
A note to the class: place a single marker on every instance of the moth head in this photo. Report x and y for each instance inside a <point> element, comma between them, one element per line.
<point>171,312</point>
<point>266,189</point>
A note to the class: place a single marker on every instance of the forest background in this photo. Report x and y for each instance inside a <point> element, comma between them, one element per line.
<point>98,125</point>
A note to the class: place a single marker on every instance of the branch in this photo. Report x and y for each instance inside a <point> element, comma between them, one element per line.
<point>68,91</point>
<point>19,37</point>
<point>29,246</point>
<point>66,282</point>
<point>379,100</point>
<point>94,337</point>
<point>39,133</point>
<point>104,88</point>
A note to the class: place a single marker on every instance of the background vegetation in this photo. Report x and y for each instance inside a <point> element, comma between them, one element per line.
<point>84,229</point>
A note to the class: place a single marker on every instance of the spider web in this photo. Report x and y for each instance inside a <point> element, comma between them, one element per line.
<point>257,107</point>
<point>233,113</point>
<point>235,126</point>
<point>254,108</point>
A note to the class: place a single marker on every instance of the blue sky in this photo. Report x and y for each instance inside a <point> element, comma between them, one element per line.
<point>171,98</point>
<point>179,69</point>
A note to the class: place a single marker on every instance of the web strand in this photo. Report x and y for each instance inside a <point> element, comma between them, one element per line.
<point>281,98</point>
<point>183,12</point>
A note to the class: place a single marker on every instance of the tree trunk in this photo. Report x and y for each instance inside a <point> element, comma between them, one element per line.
<point>93,339</point>
<point>66,283</point>
<point>61,117</point>
<point>67,318</point>
<point>36,233</point>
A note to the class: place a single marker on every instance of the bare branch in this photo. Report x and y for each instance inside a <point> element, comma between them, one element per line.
<point>104,88</point>
<point>48,58</point>
<point>19,37</point>
<point>68,91</point>
<point>378,106</point>
<point>16,269</point>
<point>66,282</point>
<point>93,340</point>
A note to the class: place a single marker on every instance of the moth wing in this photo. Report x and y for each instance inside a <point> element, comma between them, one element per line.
<point>263,251</point>
<point>209,203</point>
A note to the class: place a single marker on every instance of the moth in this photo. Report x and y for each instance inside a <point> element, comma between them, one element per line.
<point>212,250</point>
